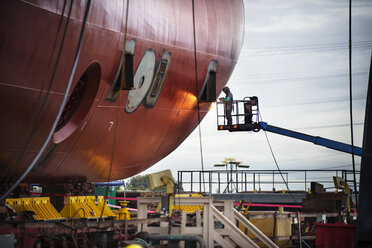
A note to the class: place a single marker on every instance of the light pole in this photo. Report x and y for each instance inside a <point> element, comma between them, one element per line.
<point>233,167</point>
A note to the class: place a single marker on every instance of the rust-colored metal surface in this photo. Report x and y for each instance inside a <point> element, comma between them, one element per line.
<point>82,148</point>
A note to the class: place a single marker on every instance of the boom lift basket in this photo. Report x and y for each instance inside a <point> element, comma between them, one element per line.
<point>245,115</point>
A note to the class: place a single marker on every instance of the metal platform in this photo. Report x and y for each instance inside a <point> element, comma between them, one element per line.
<point>272,198</point>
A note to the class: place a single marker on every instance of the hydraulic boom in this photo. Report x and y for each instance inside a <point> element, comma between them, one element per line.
<point>246,118</point>
<point>339,146</point>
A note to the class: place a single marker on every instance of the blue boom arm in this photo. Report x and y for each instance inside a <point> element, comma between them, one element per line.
<point>314,139</point>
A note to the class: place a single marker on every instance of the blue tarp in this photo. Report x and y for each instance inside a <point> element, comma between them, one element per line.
<point>112,183</point>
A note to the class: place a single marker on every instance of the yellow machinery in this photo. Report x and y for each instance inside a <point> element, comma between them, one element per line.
<point>123,213</point>
<point>272,225</point>
<point>165,178</point>
<point>188,208</point>
<point>85,207</point>
<point>41,206</point>
<point>76,207</point>
<point>340,183</point>
<point>161,179</point>
<point>102,204</point>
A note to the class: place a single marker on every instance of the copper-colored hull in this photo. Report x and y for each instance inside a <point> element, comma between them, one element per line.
<point>143,137</point>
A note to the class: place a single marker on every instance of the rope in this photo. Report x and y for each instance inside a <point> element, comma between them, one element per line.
<point>277,166</point>
<point>118,111</point>
<point>351,109</point>
<point>51,132</point>
<point>197,94</point>
<point>33,129</point>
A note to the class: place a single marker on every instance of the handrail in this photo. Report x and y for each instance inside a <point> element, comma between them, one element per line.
<point>253,179</point>
<point>226,222</point>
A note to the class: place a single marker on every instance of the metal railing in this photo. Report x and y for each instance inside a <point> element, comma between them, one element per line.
<point>244,111</point>
<point>234,181</point>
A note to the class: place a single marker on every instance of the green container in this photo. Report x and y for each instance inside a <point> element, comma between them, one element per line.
<point>101,191</point>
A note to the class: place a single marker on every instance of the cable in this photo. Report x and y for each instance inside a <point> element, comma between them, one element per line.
<point>328,126</point>
<point>339,167</point>
<point>53,50</point>
<point>351,109</point>
<point>309,101</point>
<point>77,55</point>
<point>197,93</point>
<point>277,166</point>
<point>285,50</point>
<point>118,111</point>
<point>55,44</point>
<point>316,46</point>
<point>36,123</point>
<point>276,78</point>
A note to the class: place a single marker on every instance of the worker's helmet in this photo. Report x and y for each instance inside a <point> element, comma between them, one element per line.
<point>134,246</point>
<point>225,89</point>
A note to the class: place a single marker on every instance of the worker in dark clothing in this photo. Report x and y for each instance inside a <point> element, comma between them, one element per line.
<point>248,112</point>
<point>248,109</point>
<point>228,100</point>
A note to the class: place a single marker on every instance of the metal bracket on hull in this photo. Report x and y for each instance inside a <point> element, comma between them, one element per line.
<point>158,81</point>
<point>126,80</point>
<point>208,90</point>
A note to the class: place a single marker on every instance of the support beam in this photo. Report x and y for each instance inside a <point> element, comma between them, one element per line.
<point>364,224</point>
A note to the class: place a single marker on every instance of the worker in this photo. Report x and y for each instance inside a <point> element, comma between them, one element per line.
<point>248,112</point>
<point>248,109</point>
<point>228,100</point>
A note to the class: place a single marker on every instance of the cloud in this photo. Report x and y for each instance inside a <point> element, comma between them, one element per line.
<point>291,23</point>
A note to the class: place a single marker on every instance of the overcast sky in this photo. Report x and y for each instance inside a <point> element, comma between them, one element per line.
<point>295,59</point>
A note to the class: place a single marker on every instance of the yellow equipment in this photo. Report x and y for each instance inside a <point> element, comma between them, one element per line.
<point>340,183</point>
<point>188,208</point>
<point>85,207</point>
<point>164,178</point>
<point>102,204</point>
<point>123,213</point>
<point>76,208</point>
<point>41,206</point>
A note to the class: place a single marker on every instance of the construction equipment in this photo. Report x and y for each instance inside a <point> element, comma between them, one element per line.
<point>247,118</point>
<point>161,179</point>
<point>41,206</point>
<point>86,207</point>
<point>340,183</point>
<point>165,179</point>
<point>123,213</point>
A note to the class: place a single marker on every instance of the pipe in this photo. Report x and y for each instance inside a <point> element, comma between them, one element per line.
<point>198,239</point>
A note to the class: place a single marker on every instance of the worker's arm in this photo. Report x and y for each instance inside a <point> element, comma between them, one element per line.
<point>224,99</point>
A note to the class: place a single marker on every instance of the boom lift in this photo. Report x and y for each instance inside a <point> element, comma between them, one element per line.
<point>246,117</point>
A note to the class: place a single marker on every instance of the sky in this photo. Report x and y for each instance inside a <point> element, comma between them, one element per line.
<point>295,60</point>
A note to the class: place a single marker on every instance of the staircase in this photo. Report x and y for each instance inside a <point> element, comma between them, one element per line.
<point>216,223</point>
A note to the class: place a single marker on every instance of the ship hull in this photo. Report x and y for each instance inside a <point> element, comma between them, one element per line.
<point>100,140</point>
